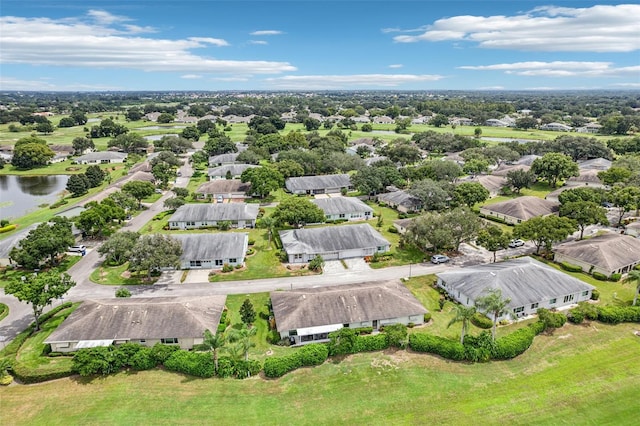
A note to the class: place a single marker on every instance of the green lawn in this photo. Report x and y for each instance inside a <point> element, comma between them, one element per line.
<point>7,275</point>
<point>4,311</point>
<point>116,275</point>
<point>578,375</point>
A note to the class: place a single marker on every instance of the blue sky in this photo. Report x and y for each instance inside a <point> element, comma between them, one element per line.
<point>317,45</point>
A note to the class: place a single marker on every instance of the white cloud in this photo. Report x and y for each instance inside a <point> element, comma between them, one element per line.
<point>630,85</point>
<point>491,88</point>
<point>260,42</point>
<point>395,66</point>
<point>347,81</point>
<point>103,17</point>
<point>191,76</point>
<point>230,79</point>
<point>266,33</point>
<point>11,83</point>
<point>71,42</point>
<point>601,28</point>
<point>559,69</point>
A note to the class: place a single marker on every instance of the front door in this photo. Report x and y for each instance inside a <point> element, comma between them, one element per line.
<point>375,324</point>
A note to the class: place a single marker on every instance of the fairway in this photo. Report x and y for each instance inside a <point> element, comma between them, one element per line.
<point>585,374</point>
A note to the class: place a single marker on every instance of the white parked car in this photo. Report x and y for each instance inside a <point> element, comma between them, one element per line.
<point>516,243</point>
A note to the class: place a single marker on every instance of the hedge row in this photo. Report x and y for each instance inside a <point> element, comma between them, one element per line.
<point>481,321</point>
<point>516,343</point>
<point>306,356</point>
<point>27,375</point>
<point>618,314</point>
<point>446,348</point>
<point>199,364</point>
<point>570,267</point>
<point>8,228</point>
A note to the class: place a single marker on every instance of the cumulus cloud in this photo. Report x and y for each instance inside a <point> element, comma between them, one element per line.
<point>191,76</point>
<point>395,66</point>
<point>559,69</point>
<point>260,42</point>
<point>11,83</point>
<point>95,42</point>
<point>601,28</point>
<point>266,33</point>
<point>348,81</point>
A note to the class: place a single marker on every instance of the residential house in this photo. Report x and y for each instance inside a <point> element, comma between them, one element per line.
<point>361,119</point>
<point>491,183</point>
<point>504,169</point>
<point>224,189</point>
<point>633,229</point>
<point>310,314</point>
<point>101,157</point>
<point>494,122</point>
<point>222,159</point>
<point>590,128</point>
<point>556,127</point>
<point>401,201</point>
<point>197,216</point>
<point>147,321</point>
<point>461,121</point>
<point>586,177</point>
<point>383,119</point>
<point>402,225</point>
<point>344,208</point>
<point>229,170</point>
<point>607,253</point>
<point>527,160</point>
<point>332,242</point>
<point>520,209</point>
<point>212,251</point>
<point>528,283</point>
<point>324,184</point>
<point>595,164</point>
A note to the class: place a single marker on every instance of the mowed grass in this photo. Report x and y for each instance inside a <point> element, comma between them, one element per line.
<point>578,375</point>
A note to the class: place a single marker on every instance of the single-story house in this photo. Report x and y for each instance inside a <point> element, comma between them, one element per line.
<point>607,253</point>
<point>233,170</point>
<point>504,169</point>
<point>101,157</point>
<point>402,225</point>
<point>586,177</point>
<point>556,127</point>
<point>383,119</point>
<point>222,159</point>
<point>595,164</point>
<point>589,128</point>
<point>401,201</point>
<point>323,184</point>
<point>212,251</point>
<point>224,189</point>
<point>491,183</point>
<point>527,160</point>
<point>349,208</point>
<point>147,321</point>
<point>332,242</point>
<point>494,122</point>
<point>310,314</point>
<point>137,176</point>
<point>195,216</point>
<point>520,209</point>
<point>529,283</point>
<point>632,229</point>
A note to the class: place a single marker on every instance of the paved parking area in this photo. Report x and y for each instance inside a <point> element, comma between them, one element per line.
<point>197,276</point>
<point>335,267</point>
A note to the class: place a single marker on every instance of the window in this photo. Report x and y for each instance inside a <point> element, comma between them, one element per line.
<point>552,301</point>
<point>297,256</point>
<point>380,248</point>
<point>341,215</point>
<point>63,345</point>
<point>585,293</point>
<point>219,262</point>
<point>345,325</point>
<point>518,309</point>
<point>142,341</point>
<point>568,298</point>
<point>233,260</point>
<point>293,332</point>
<point>534,306</point>
<point>195,263</point>
<point>169,340</point>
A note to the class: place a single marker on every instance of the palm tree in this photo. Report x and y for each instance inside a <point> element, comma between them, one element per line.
<point>213,342</point>
<point>268,223</point>
<point>243,338</point>
<point>463,315</point>
<point>631,277</point>
<point>494,304</point>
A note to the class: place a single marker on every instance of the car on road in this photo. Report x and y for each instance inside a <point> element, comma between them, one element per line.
<point>516,243</point>
<point>78,249</point>
<point>439,258</point>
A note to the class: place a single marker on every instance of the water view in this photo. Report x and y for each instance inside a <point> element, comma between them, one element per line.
<point>20,195</point>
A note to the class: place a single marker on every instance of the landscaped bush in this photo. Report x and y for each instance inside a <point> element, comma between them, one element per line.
<point>392,229</point>
<point>615,277</point>
<point>480,348</point>
<point>618,314</point>
<point>375,342</point>
<point>8,228</point>
<point>427,317</point>
<point>595,294</point>
<point>396,335</point>
<point>551,319</point>
<point>363,330</point>
<point>143,360</point>
<point>227,268</point>
<point>446,348</point>
<point>123,292</point>
<point>273,337</point>
<point>225,367</point>
<point>197,364</point>
<point>28,375</point>
<point>279,366</point>
<point>512,345</point>
<point>575,316</point>
<point>570,267</point>
<point>245,369</point>
<point>313,354</point>
<point>90,361</point>
<point>251,241</point>
<point>342,342</point>
<point>481,321</point>
<point>598,276</point>
<point>160,352</point>
<point>58,204</point>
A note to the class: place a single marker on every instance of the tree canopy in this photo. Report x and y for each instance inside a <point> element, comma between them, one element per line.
<point>298,211</point>
<point>554,166</point>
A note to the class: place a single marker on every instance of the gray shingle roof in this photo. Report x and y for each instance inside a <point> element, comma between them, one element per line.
<point>524,208</point>
<point>400,198</point>
<point>223,186</point>
<point>337,205</point>
<point>586,175</point>
<point>608,251</point>
<point>235,169</point>
<point>141,318</point>
<point>344,304</point>
<point>331,238</point>
<point>490,182</point>
<point>506,168</point>
<point>524,280</point>
<point>212,246</point>
<point>99,156</point>
<point>223,158</point>
<point>217,212</point>
<point>305,183</point>
<point>595,164</point>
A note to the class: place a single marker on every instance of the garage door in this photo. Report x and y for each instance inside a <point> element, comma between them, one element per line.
<point>330,256</point>
<point>347,254</point>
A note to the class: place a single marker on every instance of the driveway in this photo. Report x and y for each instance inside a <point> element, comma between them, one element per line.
<point>336,267</point>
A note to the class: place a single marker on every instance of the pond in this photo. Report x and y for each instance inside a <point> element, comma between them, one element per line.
<point>509,140</point>
<point>158,137</point>
<point>20,195</point>
<point>160,127</point>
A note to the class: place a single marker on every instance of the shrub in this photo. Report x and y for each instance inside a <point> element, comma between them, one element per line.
<point>595,294</point>
<point>570,267</point>
<point>551,319</point>
<point>123,292</point>
<point>615,277</point>
<point>480,348</point>
<point>313,354</point>
<point>618,314</point>
<point>227,268</point>
<point>197,364</point>
<point>363,330</point>
<point>316,263</point>
<point>251,241</point>
<point>481,321</point>
<point>375,342</point>
<point>392,229</point>
<point>245,369</point>
<point>90,361</point>
<point>279,366</point>
<point>575,316</point>
<point>225,367</point>
<point>8,228</point>
<point>514,344</point>
<point>396,335</point>
<point>4,222</point>
<point>143,360</point>
<point>250,251</point>
<point>598,276</point>
<point>28,375</point>
<point>160,352</point>
<point>342,342</point>
<point>446,348</point>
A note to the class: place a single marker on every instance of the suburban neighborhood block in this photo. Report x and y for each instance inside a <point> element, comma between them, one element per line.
<point>212,251</point>
<point>607,253</point>
<point>194,216</point>
<point>347,208</point>
<point>325,184</point>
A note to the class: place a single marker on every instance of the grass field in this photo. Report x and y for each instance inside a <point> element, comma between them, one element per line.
<point>578,375</point>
